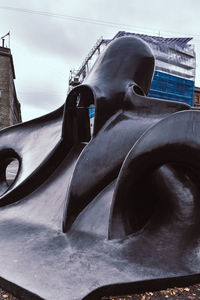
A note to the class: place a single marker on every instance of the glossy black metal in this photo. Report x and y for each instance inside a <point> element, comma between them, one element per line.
<point>112,212</point>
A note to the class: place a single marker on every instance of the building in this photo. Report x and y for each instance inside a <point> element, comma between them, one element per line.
<point>10,112</point>
<point>175,65</point>
<point>197,97</point>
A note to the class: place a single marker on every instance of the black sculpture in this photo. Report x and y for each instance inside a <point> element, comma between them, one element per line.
<point>112,213</point>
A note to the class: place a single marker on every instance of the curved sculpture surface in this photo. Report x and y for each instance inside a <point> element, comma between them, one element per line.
<point>108,213</point>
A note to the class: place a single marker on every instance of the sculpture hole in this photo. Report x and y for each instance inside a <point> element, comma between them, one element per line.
<point>83,102</point>
<point>91,116</point>
<point>12,171</point>
<point>138,90</point>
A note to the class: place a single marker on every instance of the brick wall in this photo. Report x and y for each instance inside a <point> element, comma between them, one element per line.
<point>197,97</point>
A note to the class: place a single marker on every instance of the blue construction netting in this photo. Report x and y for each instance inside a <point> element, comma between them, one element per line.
<point>170,87</point>
<point>91,111</point>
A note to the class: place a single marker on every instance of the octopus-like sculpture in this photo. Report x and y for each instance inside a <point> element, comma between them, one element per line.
<point>112,212</point>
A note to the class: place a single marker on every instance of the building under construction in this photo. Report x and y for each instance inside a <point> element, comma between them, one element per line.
<point>175,66</point>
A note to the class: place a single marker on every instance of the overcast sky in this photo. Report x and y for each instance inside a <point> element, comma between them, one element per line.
<point>50,37</point>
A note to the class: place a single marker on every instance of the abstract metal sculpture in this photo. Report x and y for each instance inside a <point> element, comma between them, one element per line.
<point>112,213</point>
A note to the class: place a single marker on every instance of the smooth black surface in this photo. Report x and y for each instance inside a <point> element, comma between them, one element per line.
<point>111,212</point>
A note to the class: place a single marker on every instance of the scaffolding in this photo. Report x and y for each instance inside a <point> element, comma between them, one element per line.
<point>175,65</point>
<point>77,76</point>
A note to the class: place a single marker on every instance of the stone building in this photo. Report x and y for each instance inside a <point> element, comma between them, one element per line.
<point>10,112</point>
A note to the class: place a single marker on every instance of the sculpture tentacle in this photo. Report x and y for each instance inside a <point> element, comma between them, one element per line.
<point>169,141</point>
